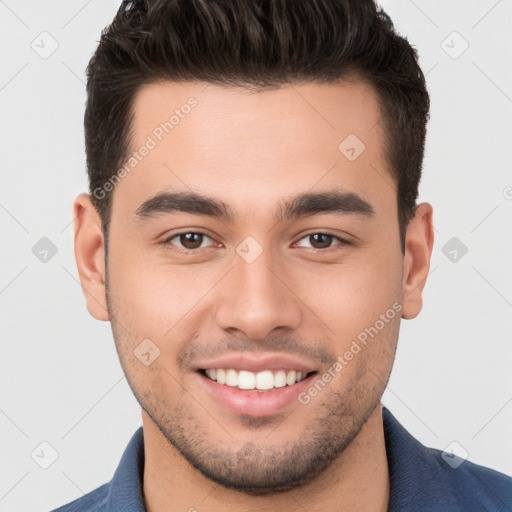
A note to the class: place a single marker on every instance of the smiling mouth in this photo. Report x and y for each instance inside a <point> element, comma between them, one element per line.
<point>266,380</point>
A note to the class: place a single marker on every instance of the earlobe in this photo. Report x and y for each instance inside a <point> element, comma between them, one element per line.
<point>418,250</point>
<point>90,255</point>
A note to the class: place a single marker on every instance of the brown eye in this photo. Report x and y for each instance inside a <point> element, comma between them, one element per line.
<point>188,241</point>
<point>321,241</point>
<point>191,240</point>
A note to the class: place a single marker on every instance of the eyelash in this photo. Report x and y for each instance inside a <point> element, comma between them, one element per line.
<point>167,241</point>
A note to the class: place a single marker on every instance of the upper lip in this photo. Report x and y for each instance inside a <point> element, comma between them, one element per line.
<point>254,363</point>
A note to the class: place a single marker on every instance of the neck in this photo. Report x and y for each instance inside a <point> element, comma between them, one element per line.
<point>357,481</point>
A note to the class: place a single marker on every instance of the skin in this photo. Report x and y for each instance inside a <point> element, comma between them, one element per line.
<point>253,151</point>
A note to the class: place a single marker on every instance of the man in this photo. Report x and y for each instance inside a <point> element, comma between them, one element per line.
<point>252,235</point>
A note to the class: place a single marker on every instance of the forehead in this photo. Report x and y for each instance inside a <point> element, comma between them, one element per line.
<point>243,146</point>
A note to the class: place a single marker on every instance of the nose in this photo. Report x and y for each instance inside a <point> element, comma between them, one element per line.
<point>257,298</point>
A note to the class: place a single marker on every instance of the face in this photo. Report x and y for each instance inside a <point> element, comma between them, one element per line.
<point>257,330</point>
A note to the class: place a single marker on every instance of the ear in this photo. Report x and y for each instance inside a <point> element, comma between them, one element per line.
<point>418,250</point>
<point>90,255</point>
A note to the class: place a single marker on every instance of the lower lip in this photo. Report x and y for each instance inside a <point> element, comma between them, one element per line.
<point>255,403</point>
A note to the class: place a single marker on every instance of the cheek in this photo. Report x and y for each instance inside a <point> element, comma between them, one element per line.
<point>351,295</point>
<point>152,292</point>
<point>157,301</point>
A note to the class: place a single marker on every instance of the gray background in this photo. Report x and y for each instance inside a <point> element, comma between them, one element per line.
<point>61,382</point>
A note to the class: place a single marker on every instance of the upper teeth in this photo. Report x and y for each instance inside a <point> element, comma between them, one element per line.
<point>250,380</point>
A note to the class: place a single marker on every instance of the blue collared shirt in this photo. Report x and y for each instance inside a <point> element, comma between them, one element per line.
<point>421,480</point>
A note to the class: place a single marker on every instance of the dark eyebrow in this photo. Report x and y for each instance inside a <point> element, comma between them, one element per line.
<point>187,202</point>
<point>341,202</point>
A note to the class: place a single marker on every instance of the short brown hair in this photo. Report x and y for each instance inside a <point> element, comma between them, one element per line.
<point>262,43</point>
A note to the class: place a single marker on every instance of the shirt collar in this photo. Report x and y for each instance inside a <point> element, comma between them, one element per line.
<point>414,472</point>
<point>125,492</point>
